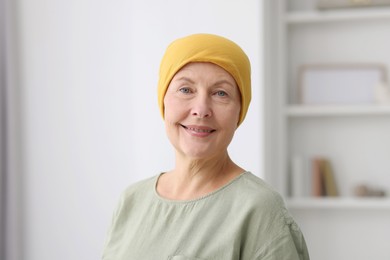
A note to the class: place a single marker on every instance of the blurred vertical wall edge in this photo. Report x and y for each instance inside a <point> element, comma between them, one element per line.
<point>11,244</point>
<point>2,130</point>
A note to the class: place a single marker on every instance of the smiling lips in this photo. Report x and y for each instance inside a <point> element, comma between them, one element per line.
<point>200,131</point>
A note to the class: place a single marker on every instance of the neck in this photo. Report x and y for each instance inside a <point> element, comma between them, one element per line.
<point>194,178</point>
<point>189,168</point>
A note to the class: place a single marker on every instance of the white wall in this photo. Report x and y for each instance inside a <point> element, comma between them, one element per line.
<point>91,126</point>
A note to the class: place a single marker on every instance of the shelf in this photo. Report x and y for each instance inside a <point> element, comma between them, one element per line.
<point>355,137</point>
<point>335,16</point>
<point>336,110</point>
<point>339,203</point>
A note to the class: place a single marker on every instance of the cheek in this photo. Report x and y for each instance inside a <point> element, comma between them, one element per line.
<point>234,116</point>
<point>228,120</point>
<point>172,109</point>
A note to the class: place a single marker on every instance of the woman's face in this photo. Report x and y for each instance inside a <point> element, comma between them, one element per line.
<point>202,108</point>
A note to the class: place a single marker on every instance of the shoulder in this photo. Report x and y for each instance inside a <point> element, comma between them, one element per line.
<point>271,218</point>
<point>260,193</point>
<point>265,206</point>
<point>262,205</point>
<point>140,188</point>
<point>136,192</point>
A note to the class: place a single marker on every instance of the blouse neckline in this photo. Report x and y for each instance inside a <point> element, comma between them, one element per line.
<point>159,197</point>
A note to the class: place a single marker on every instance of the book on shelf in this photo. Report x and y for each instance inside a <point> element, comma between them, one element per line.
<point>317,186</point>
<point>323,178</point>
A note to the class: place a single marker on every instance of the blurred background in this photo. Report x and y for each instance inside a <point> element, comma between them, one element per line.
<point>79,120</point>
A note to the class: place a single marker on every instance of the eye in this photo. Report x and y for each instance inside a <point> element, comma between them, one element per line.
<point>221,93</point>
<point>185,90</point>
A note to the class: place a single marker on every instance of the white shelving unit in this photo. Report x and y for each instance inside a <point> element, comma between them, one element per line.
<point>301,17</point>
<point>356,138</point>
<point>339,204</point>
<point>361,110</point>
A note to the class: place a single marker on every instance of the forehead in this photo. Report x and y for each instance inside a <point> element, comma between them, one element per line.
<point>204,69</point>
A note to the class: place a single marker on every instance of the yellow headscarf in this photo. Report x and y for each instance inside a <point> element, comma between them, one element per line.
<point>206,48</point>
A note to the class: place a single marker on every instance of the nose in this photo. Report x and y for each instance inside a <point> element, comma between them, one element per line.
<point>201,107</point>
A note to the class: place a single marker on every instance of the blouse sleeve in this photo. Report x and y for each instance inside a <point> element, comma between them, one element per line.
<point>110,236</point>
<point>290,244</point>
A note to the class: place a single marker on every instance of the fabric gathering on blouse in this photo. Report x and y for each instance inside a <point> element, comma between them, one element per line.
<point>244,220</point>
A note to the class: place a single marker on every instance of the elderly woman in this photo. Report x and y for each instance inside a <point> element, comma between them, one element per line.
<point>207,207</point>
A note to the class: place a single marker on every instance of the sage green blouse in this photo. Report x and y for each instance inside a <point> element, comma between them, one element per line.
<point>244,220</point>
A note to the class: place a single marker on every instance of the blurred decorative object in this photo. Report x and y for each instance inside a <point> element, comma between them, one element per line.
<point>364,190</point>
<point>334,4</point>
<point>361,190</point>
<point>342,84</point>
<point>382,93</point>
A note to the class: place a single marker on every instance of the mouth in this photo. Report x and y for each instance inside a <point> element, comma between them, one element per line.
<point>198,129</point>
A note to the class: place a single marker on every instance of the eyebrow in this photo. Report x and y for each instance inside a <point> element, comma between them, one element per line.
<point>186,79</point>
<point>219,82</point>
<point>224,81</point>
